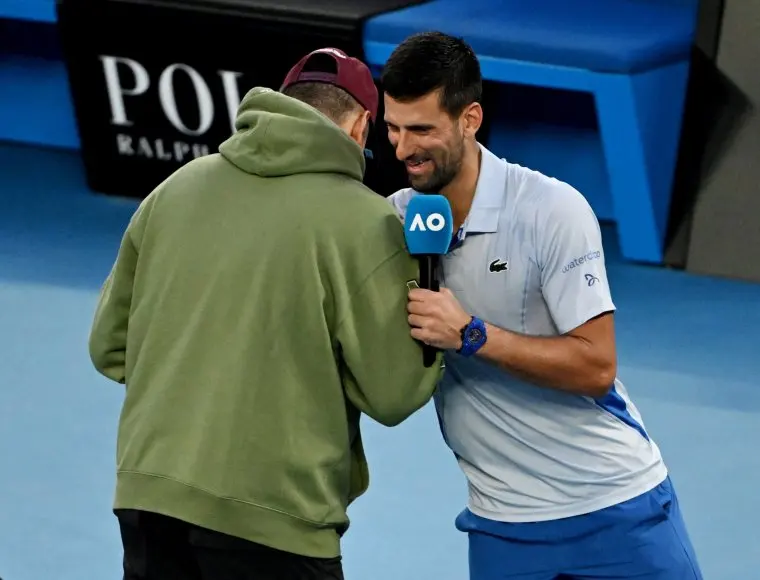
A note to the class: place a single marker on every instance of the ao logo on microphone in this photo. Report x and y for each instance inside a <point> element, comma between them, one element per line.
<point>434,222</point>
<point>428,225</point>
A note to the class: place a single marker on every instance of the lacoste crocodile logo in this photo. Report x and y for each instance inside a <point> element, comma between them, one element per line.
<point>498,266</point>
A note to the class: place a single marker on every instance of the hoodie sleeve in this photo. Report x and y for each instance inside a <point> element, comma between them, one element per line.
<point>383,372</point>
<point>108,335</point>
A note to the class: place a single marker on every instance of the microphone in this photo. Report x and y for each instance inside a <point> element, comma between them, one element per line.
<point>428,228</point>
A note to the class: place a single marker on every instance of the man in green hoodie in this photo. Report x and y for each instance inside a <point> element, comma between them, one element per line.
<point>256,308</point>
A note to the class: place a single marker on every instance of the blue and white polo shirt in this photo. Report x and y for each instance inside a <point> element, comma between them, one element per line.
<point>531,261</point>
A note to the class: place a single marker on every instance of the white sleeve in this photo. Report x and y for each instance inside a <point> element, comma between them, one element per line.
<point>571,258</point>
<point>400,201</point>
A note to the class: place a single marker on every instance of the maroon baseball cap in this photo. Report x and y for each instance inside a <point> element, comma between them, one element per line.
<point>350,74</point>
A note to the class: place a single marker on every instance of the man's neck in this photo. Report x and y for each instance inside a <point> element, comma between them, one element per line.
<point>461,191</point>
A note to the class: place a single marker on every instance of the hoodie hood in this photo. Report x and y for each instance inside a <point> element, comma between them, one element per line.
<point>276,135</point>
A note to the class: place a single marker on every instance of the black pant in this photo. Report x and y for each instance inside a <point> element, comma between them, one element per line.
<point>157,547</point>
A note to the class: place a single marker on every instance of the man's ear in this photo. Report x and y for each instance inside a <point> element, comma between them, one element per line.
<point>360,129</point>
<point>472,119</point>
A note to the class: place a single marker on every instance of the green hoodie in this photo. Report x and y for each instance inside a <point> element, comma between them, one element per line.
<point>256,308</point>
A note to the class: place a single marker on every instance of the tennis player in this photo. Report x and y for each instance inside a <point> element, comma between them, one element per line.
<point>565,481</point>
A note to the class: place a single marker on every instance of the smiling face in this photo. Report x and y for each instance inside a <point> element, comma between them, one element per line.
<point>427,139</point>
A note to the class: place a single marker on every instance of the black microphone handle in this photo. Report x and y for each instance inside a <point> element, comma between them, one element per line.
<point>429,281</point>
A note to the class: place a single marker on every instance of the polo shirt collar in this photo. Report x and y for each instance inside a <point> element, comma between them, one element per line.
<point>489,195</point>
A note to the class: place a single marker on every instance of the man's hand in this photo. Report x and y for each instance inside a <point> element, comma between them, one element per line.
<point>436,318</point>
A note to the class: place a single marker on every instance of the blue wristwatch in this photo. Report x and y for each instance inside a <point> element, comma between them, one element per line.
<point>473,337</point>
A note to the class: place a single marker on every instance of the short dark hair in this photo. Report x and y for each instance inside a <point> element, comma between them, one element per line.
<point>429,61</point>
<point>328,99</point>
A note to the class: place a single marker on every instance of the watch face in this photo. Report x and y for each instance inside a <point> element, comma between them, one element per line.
<point>474,335</point>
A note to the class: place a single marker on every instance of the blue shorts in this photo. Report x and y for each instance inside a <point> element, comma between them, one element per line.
<point>644,538</point>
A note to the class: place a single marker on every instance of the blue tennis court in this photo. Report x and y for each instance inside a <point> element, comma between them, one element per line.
<point>688,354</point>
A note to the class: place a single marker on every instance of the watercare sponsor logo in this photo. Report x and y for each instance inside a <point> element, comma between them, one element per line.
<point>579,261</point>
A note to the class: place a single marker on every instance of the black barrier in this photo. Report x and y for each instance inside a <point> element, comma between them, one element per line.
<point>157,83</point>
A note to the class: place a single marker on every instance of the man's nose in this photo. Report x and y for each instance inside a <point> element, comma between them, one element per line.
<point>404,146</point>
